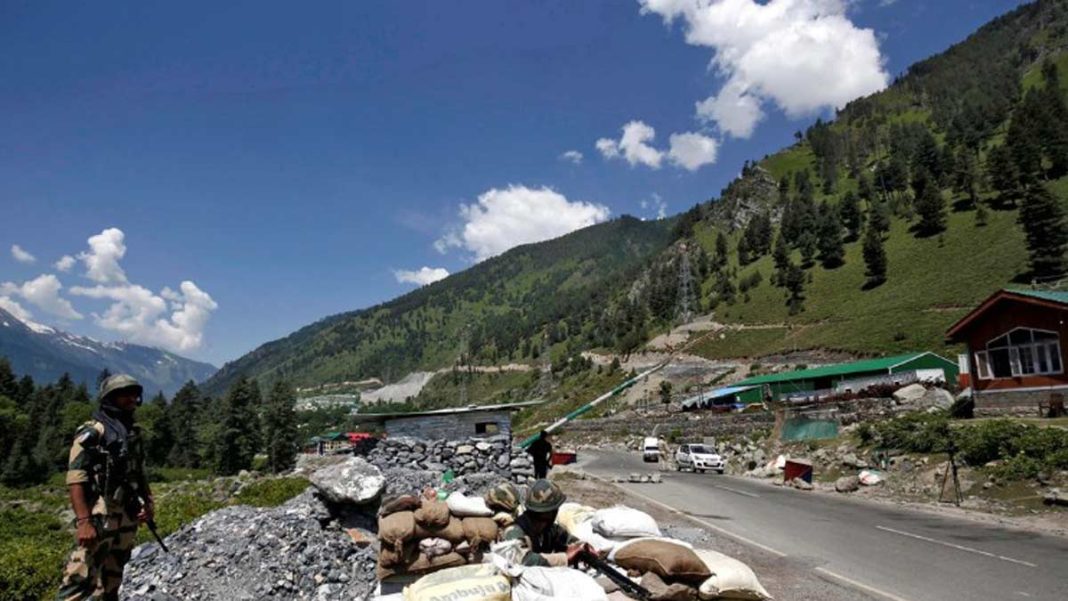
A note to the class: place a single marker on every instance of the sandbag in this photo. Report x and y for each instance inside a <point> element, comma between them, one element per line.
<point>390,557</point>
<point>666,558</point>
<point>396,529</point>
<point>433,547</point>
<point>452,532</point>
<point>397,504</point>
<point>470,583</point>
<point>571,515</point>
<point>624,522</point>
<point>422,565</point>
<point>432,514</point>
<point>463,506</point>
<point>584,532</point>
<point>560,584</point>
<point>629,541</point>
<point>731,579</point>
<point>504,519</point>
<point>480,531</point>
<point>661,591</point>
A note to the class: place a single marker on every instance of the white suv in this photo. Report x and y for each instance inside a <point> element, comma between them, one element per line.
<point>698,458</point>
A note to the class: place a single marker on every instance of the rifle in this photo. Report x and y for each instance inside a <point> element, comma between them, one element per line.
<point>141,500</point>
<point>628,586</point>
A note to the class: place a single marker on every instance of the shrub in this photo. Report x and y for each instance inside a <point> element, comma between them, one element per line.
<point>271,492</point>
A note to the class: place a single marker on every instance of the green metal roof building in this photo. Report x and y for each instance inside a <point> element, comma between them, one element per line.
<point>831,377</point>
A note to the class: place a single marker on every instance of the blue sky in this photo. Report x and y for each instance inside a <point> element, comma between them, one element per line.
<point>289,163</point>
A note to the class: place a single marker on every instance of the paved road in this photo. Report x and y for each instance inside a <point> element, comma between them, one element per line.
<point>901,554</point>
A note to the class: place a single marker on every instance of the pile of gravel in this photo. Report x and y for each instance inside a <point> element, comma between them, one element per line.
<point>294,551</point>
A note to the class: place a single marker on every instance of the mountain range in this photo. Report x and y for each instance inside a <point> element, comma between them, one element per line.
<point>45,354</point>
<point>931,173</point>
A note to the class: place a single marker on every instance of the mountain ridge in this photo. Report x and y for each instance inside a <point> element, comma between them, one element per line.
<point>45,353</point>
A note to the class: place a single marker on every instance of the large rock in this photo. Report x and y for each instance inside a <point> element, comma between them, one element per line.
<point>847,484</point>
<point>800,484</point>
<point>910,393</point>
<point>936,397</point>
<point>851,460</point>
<point>354,481</point>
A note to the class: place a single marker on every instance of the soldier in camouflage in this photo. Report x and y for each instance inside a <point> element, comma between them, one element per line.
<point>108,492</point>
<point>545,543</point>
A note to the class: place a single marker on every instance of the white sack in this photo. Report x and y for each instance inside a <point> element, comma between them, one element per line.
<point>560,584</point>
<point>731,579</point>
<point>462,506</point>
<point>624,522</point>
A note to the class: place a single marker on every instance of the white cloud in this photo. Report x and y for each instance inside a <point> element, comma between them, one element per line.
<point>572,156</point>
<point>43,293</point>
<point>421,277</point>
<point>502,219</point>
<point>101,261</point>
<point>692,150</point>
<point>65,263</point>
<point>142,317</point>
<point>21,255</point>
<point>13,307</point>
<point>802,55</point>
<point>633,146</point>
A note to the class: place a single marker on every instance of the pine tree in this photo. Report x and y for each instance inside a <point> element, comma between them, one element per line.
<point>1055,132</point>
<point>874,257</point>
<point>9,386</point>
<point>852,217</point>
<point>930,205</point>
<point>781,255</point>
<point>1043,221</point>
<point>879,216</point>
<point>159,435</point>
<point>808,244</point>
<point>186,418</point>
<point>794,282</point>
<point>981,214</point>
<point>831,247</point>
<point>1004,177</point>
<point>720,260</point>
<point>966,176</point>
<point>236,436</point>
<point>280,428</point>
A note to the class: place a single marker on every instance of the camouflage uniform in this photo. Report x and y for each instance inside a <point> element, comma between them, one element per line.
<point>95,572</point>
<point>548,547</point>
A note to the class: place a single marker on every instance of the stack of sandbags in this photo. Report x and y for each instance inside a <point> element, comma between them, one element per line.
<point>605,529</point>
<point>423,535</point>
<point>481,582</point>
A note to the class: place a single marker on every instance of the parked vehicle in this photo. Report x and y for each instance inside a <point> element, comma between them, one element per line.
<point>698,458</point>
<point>651,449</point>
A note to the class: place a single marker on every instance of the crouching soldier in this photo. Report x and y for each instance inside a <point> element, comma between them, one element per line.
<point>544,542</point>
<point>108,492</point>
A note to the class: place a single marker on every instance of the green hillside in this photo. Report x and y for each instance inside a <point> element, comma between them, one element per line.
<point>956,174</point>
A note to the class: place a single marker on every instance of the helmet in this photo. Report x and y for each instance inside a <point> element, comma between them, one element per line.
<point>116,383</point>
<point>544,496</point>
<point>503,497</point>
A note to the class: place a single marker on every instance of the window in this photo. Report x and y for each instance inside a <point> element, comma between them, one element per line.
<point>1021,352</point>
<point>486,428</point>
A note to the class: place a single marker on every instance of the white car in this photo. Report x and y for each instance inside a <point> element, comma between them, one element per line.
<point>650,449</point>
<point>698,458</point>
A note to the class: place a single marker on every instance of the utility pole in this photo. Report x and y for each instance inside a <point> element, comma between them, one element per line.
<point>685,297</point>
<point>464,357</point>
<point>545,381</point>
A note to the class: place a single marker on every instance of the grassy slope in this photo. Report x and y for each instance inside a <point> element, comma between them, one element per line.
<point>930,284</point>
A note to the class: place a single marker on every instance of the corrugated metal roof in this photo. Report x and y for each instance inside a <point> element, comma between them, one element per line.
<point>1057,296</point>
<point>711,395</point>
<point>381,417</point>
<point>841,369</point>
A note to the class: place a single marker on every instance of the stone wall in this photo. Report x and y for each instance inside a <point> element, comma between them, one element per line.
<point>490,456</point>
<point>1012,402</point>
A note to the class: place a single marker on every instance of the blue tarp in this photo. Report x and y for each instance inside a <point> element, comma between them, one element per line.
<point>710,397</point>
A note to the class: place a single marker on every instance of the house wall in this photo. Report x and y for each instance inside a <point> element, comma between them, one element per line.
<point>1007,315</point>
<point>454,426</point>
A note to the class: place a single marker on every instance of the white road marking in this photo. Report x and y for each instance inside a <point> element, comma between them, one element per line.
<point>958,547</point>
<point>859,585</point>
<point>736,491</point>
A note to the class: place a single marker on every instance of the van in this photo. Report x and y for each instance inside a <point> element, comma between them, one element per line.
<point>650,449</point>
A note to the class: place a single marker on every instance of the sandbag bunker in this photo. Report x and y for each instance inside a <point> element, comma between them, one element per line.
<point>438,546</point>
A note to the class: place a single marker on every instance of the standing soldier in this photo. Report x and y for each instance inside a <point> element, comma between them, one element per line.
<point>108,492</point>
<point>665,455</point>
<point>541,450</point>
